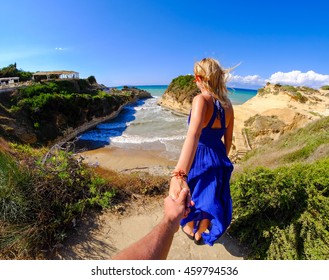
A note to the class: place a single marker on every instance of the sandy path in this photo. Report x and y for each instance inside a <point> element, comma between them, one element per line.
<point>103,236</point>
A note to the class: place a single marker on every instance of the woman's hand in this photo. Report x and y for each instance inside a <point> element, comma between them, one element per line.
<point>176,186</point>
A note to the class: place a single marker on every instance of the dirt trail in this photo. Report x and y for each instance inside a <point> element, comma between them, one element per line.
<point>101,237</point>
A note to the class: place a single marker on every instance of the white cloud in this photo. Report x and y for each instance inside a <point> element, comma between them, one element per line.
<point>294,78</point>
<point>247,81</point>
<point>59,49</point>
<point>297,78</point>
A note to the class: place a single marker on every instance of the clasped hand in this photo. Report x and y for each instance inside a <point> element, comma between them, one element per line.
<point>176,186</point>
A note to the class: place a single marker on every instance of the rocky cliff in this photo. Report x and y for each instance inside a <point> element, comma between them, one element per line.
<point>275,110</point>
<point>179,94</point>
<point>57,110</point>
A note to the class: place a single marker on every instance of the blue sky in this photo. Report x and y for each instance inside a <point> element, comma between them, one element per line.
<point>144,42</point>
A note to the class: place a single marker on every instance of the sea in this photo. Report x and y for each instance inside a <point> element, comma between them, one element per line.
<point>145,125</point>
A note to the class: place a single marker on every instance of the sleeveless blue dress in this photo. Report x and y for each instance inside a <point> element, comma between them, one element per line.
<point>209,181</point>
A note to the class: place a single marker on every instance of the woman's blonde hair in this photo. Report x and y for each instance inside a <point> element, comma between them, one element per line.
<point>213,78</point>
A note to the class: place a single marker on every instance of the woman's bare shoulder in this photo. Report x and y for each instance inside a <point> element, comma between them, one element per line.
<point>228,105</point>
<point>199,99</point>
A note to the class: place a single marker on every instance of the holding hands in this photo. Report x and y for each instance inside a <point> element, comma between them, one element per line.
<point>180,192</point>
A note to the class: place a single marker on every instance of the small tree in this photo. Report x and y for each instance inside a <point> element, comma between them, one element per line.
<point>92,80</point>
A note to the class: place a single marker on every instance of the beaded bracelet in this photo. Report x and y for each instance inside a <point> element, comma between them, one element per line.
<point>180,174</point>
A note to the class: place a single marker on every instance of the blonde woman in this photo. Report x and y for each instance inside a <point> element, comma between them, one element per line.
<point>203,165</point>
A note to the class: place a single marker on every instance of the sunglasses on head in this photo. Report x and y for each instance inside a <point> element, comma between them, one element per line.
<point>197,78</point>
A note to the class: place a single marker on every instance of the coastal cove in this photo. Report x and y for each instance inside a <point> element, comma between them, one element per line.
<point>88,211</point>
<point>146,126</point>
<point>271,106</point>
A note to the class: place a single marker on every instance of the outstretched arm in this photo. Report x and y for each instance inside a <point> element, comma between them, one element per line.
<point>156,244</point>
<point>190,144</point>
<point>228,136</point>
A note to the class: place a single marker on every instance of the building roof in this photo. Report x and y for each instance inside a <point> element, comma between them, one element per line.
<point>60,72</point>
<point>9,78</point>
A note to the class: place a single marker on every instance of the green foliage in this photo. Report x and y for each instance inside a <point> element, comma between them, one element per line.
<point>11,177</point>
<point>307,139</point>
<point>182,81</point>
<point>283,213</point>
<point>64,87</point>
<point>38,89</point>
<point>41,200</point>
<point>39,203</point>
<point>299,97</point>
<point>183,88</point>
<point>49,108</point>
<point>12,71</point>
<point>289,88</point>
<point>295,146</point>
<point>92,80</point>
<point>325,87</point>
<point>261,91</point>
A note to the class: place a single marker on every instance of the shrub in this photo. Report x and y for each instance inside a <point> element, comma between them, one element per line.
<point>92,80</point>
<point>181,83</point>
<point>39,203</point>
<point>283,213</point>
<point>183,88</point>
<point>41,200</point>
<point>307,139</point>
<point>289,88</point>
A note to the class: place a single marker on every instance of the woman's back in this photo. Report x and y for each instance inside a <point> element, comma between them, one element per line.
<point>228,110</point>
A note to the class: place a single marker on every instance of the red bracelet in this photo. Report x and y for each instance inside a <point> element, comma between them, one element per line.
<point>180,174</point>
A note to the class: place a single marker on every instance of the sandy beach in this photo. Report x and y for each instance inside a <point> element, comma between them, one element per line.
<point>127,160</point>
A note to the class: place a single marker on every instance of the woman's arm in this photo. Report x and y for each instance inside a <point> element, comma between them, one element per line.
<point>228,136</point>
<point>199,107</point>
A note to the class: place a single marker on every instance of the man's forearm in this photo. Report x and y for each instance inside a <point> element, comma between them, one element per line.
<point>154,246</point>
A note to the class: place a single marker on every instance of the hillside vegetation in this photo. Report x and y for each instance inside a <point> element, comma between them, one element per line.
<point>280,194</point>
<point>42,112</point>
<point>45,193</point>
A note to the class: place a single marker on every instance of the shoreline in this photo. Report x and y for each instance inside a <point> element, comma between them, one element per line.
<point>291,113</point>
<point>128,160</point>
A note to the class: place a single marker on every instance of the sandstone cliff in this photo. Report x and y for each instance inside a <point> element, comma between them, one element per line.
<point>179,94</point>
<point>275,110</point>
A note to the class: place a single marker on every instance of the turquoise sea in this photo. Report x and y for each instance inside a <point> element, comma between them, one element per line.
<point>237,95</point>
<point>147,126</point>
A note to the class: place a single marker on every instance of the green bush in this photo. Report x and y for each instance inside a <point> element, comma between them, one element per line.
<point>38,89</point>
<point>283,213</point>
<point>39,203</point>
<point>289,88</point>
<point>182,83</point>
<point>183,88</point>
<point>307,139</point>
<point>92,80</point>
<point>12,71</point>
<point>325,87</point>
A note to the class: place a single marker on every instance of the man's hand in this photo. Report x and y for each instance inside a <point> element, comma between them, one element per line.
<point>176,209</point>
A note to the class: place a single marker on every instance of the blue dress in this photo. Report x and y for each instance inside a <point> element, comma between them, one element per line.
<point>209,181</point>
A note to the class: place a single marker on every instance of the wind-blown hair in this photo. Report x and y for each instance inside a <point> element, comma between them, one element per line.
<point>213,78</point>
